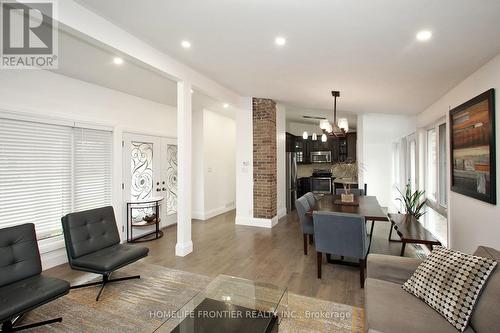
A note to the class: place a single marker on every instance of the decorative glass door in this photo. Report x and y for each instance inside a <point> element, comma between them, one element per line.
<point>150,171</point>
<point>171,178</point>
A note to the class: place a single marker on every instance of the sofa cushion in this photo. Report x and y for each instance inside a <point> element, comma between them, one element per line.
<point>486,316</point>
<point>390,309</point>
<point>450,282</point>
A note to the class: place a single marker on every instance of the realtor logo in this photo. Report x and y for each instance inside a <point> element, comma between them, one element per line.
<point>29,35</point>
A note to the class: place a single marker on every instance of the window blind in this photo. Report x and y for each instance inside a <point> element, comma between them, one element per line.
<point>92,175</point>
<point>47,171</point>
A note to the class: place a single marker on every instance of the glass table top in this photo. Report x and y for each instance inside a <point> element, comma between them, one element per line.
<point>230,298</point>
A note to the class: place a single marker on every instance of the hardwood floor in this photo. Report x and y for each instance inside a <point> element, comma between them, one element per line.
<point>269,255</point>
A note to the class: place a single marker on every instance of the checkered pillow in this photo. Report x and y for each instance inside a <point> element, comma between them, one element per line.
<point>450,282</point>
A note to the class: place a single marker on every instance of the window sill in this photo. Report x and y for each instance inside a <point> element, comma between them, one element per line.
<point>51,244</point>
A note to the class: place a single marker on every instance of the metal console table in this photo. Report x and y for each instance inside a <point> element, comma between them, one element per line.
<point>153,203</point>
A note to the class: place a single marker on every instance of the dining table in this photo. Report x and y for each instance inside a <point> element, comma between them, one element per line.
<point>366,206</point>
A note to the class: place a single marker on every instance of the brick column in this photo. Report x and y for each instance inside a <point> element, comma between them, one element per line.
<point>264,158</point>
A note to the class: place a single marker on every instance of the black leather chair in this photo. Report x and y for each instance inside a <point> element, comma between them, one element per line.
<point>22,287</point>
<point>93,245</point>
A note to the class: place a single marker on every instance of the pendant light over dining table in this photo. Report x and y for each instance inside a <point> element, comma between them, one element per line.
<point>338,129</point>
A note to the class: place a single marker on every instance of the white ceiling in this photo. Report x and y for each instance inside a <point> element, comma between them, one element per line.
<point>364,48</point>
<point>83,58</point>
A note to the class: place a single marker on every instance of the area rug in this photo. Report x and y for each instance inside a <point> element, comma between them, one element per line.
<point>143,305</point>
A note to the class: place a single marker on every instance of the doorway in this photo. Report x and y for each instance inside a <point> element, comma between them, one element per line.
<point>149,171</point>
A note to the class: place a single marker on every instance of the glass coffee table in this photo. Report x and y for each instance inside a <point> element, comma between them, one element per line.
<point>230,304</point>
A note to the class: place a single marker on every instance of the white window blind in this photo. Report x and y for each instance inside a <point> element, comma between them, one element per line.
<point>47,171</point>
<point>92,176</point>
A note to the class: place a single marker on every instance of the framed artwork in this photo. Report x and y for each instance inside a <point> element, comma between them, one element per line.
<point>472,147</point>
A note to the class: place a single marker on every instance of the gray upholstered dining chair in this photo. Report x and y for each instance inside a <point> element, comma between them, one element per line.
<point>311,199</point>
<point>306,222</point>
<point>355,191</point>
<point>342,235</point>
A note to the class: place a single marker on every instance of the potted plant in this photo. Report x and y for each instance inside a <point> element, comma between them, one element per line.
<point>413,202</point>
<point>347,174</point>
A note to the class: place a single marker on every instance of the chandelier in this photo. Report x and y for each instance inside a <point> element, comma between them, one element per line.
<point>338,128</point>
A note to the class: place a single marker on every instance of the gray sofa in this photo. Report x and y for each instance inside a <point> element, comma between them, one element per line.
<point>390,309</point>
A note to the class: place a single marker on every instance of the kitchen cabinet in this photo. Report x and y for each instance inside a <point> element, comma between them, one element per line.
<point>300,150</point>
<point>343,149</point>
<point>290,142</point>
<point>351,146</point>
<point>303,186</point>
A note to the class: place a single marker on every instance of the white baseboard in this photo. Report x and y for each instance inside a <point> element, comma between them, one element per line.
<point>281,212</point>
<point>54,258</point>
<point>183,249</point>
<point>212,213</point>
<point>256,222</point>
<point>198,215</point>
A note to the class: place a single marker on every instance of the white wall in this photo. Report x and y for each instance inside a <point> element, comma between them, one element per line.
<point>376,135</point>
<point>219,145</point>
<point>50,95</point>
<point>198,197</point>
<point>298,129</point>
<point>244,163</point>
<point>471,222</point>
<point>281,159</point>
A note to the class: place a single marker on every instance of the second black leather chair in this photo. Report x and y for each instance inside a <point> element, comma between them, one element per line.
<point>93,245</point>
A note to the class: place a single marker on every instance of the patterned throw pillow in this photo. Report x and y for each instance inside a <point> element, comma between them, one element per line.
<point>450,282</point>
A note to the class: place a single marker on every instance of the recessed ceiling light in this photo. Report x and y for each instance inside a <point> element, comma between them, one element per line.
<point>225,105</point>
<point>192,91</point>
<point>117,60</point>
<point>185,44</point>
<point>280,41</point>
<point>424,35</point>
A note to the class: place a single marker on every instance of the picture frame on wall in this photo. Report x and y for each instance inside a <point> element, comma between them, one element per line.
<point>472,148</point>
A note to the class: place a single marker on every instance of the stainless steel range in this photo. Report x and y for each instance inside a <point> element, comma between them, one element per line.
<point>321,181</point>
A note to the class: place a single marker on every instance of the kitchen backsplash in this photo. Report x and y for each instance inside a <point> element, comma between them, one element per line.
<point>306,170</point>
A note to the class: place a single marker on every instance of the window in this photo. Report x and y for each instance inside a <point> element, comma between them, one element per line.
<point>47,171</point>
<point>436,182</point>
<point>443,167</point>
<point>413,164</point>
<point>431,177</point>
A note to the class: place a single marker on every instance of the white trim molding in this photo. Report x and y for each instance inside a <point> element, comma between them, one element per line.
<point>197,215</point>
<point>256,222</point>
<point>183,249</point>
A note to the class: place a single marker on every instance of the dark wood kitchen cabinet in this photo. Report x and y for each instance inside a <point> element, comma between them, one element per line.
<point>298,145</point>
<point>351,146</point>
<point>290,142</point>
<point>343,149</point>
<point>303,186</point>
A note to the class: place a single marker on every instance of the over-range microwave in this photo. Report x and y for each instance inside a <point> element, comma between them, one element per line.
<point>321,156</point>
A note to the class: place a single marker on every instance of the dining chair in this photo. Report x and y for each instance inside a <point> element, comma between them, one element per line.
<point>341,234</point>
<point>306,222</point>
<point>311,199</point>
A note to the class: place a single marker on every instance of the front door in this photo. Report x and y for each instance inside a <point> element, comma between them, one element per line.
<point>150,170</point>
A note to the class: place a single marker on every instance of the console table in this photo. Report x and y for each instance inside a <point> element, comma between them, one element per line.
<point>410,230</point>
<point>151,203</point>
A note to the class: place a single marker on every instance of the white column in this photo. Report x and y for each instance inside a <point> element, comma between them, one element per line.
<point>184,244</point>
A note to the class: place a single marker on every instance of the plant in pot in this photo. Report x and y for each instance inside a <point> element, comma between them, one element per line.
<point>413,201</point>
<point>347,174</point>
